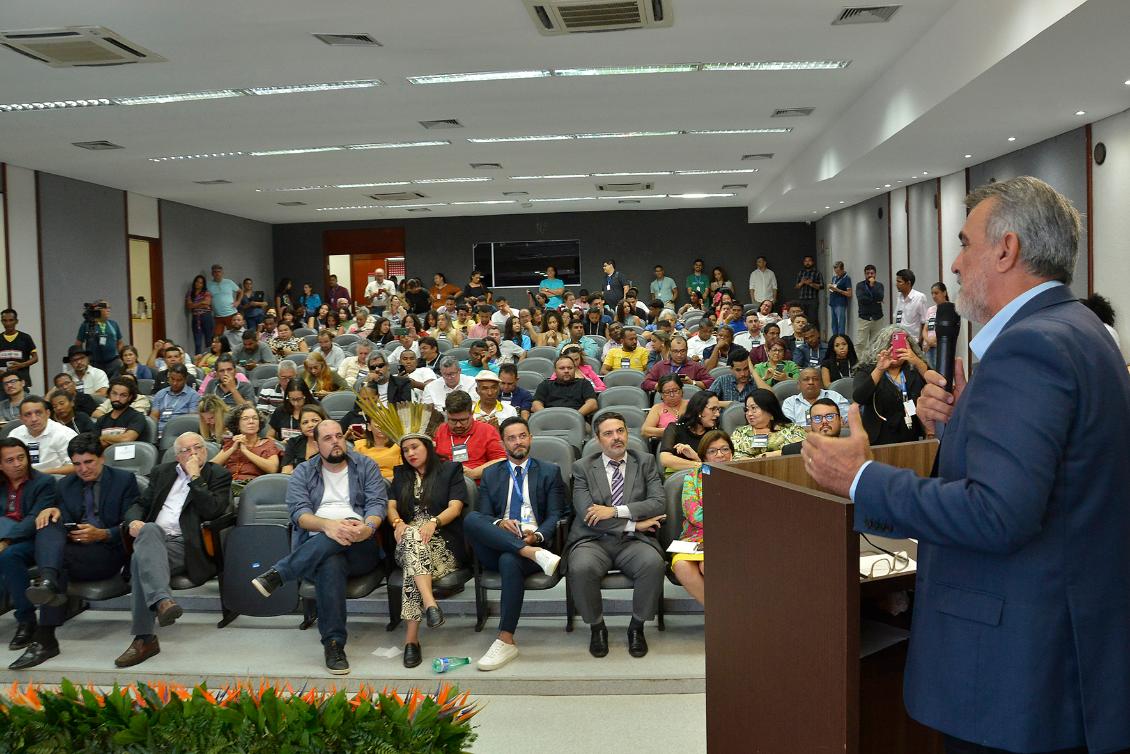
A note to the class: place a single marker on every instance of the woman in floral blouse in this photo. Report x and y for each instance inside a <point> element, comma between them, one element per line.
<point>767,431</point>
<point>690,567</point>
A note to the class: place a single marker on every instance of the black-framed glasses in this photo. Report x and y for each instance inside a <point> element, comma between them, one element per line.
<point>822,419</point>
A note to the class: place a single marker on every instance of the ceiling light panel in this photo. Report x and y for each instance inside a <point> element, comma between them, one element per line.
<point>627,70</point>
<point>567,199</point>
<point>716,172</point>
<point>296,150</point>
<point>474,179</point>
<point>727,131</point>
<point>299,150</point>
<point>201,156</point>
<point>544,177</point>
<point>778,65</point>
<point>462,78</point>
<point>16,107</point>
<point>627,134</point>
<point>741,65</point>
<point>486,201</point>
<point>617,175</point>
<point>400,144</point>
<point>323,87</point>
<point>537,137</point>
<point>164,99</point>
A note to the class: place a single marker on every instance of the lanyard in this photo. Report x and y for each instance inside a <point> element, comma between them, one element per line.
<point>901,384</point>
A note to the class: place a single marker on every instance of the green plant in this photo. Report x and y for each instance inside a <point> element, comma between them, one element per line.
<point>269,719</point>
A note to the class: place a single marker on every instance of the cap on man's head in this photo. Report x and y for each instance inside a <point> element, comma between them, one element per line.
<point>75,351</point>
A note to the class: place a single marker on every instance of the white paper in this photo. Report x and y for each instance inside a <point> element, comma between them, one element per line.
<point>124,452</point>
<point>387,652</point>
<point>682,545</point>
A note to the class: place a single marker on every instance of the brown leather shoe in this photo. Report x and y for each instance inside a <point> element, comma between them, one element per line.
<point>138,652</point>
<point>167,612</point>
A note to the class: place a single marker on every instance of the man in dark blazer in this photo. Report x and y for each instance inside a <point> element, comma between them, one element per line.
<point>520,502</point>
<point>165,523</point>
<point>618,501</point>
<point>1022,607</point>
<point>78,537</point>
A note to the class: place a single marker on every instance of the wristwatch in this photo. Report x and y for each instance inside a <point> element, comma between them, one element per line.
<point>435,520</point>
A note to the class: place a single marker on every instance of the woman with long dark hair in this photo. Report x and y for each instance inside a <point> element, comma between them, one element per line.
<point>382,332</point>
<point>286,421</point>
<point>284,295</point>
<point>888,377</point>
<point>512,331</point>
<point>841,361</point>
<point>425,512</point>
<point>198,302</point>
<point>303,447</point>
<point>768,429</point>
<point>553,330</point>
<point>677,449</point>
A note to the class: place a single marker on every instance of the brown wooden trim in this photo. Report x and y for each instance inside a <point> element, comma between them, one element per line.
<point>7,235</point>
<point>890,256</point>
<point>129,270</point>
<point>1090,213</point>
<point>43,351</point>
<point>156,283</point>
<point>938,201</point>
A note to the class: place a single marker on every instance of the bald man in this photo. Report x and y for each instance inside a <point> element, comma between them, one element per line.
<point>165,524</point>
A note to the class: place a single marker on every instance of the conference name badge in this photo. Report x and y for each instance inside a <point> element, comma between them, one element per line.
<point>459,453</point>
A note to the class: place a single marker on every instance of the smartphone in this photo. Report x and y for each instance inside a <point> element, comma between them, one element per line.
<point>399,331</point>
<point>357,428</point>
<point>898,342</point>
<point>70,526</point>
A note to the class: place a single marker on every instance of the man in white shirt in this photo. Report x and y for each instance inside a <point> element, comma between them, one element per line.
<point>750,338</point>
<point>379,291</point>
<point>702,340</point>
<point>504,313</point>
<point>88,379</point>
<point>762,283</point>
<point>419,376</point>
<point>45,438</point>
<point>356,368</point>
<point>451,379</point>
<point>911,305</point>
<point>796,406</point>
<point>407,343</point>
<point>165,523</point>
<point>330,351</point>
<point>488,408</point>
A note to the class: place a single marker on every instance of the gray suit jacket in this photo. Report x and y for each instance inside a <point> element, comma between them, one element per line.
<point>643,494</point>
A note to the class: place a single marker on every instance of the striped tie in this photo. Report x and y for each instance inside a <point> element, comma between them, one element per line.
<point>617,483</point>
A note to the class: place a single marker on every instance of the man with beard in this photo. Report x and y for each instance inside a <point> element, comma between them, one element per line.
<point>123,423</point>
<point>566,390</point>
<point>520,503</point>
<point>1023,570</point>
<point>809,283</point>
<point>337,501</point>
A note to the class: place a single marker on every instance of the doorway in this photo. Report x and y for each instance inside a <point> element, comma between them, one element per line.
<point>146,294</point>
<point>353,254</point>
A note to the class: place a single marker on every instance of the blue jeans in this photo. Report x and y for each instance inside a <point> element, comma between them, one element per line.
<point>14,562</point>
<point>839,320</point>
<point>497,550</point>
<point>329,565</point>
<point>202,331</point>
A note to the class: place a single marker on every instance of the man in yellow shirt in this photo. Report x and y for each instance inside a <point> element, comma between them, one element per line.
<point>628,356</point>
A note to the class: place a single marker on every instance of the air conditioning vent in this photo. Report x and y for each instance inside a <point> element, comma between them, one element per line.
<point>399,196</point>
<point>213,182</point>
<point>793,112</point>
<point>515,193</point>
<point>555,17</point>
<point>759,156</point>
<point>487,165</point>
<point>441,123</point>
<point>628,201</point>
<point>631,188</point>
<point>874,14</point>
<point>734,186</point>
<point>349,40</point>
<point>291,204</point>
<point>77,46</point>
<point>97,146</point>
<point>420,209</point>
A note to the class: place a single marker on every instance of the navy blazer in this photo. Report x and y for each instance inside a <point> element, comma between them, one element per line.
<point>547,493</point>
<point>117,493</point>
<point>39,492</point>
<point>1023,592</point>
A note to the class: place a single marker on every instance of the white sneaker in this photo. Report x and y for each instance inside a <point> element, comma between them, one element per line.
<point>548,561</point>
<point>498,655</point>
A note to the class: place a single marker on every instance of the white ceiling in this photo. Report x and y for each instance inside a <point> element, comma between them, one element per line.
<point>940,80</point>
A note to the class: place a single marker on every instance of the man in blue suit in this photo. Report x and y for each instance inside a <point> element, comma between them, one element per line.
<point>79,536</point>
<point>520,503</point>
<point>1023,593</point>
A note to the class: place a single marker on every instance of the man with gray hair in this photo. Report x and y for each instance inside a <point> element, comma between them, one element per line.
<point>1023,569</point>
<point>796,407</point>
<point>271,398</point>
<point>165,527</point>
<point>451,379</point>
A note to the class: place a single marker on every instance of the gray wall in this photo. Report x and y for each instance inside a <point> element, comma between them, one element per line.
<point>637,240</point>
<point>922,224</point>
<point>1062,162</point>
<point>857,236</point>
<point>85,256</point>
<point>193,239</point>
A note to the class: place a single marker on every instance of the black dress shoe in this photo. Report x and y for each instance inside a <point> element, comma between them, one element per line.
<point>25,634</point>
<point>637,645</point>
<point>45,591</point>
<point>412,655</point>
<point>35,654</point>
<point>598,644</point>
<point>336,661</point>
<point>435,617</point>
<point>265,583</point>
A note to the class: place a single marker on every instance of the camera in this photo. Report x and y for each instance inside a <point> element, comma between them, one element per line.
<point>92,311</point>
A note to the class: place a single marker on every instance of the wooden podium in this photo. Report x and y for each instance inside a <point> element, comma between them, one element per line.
<point>783,634</point>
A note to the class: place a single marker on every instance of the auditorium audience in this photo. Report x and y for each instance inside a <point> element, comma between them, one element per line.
<point>462,439</point>
<point>511,392</point>
<point>285,343</point>
<point>44,439</point>
<point>690,568</point>
<point>330,352</point>
<point>245,454</point>
<point>131,365</point>
<point>616,492</point>
<point>212,412</point>
<point>14,394</point>
<point>451,379</point>
<point>488,408</point>
<point>88,379</point>
<point>581,367</point>
<point>283,423</point>
<point>425,514</point>
<point>512,529</point>
<point>670,407</point>
<point>628,354</point>
<point>678,448</point>
<point>78,536</point>
<point>796,407</point>
<point>770,334</point>
<point>927,337</point>
<point>565,390</point>
<point>721,353</point>
<point>810,351</point>
<point>320,378</point>
<point>252,352</point>
<point>217,347</point>
<point>840,362</point>
<point>303,446</point>
<point>165,526</point>
<point>776,368</point>
<point>677,363</point>
<point>767,429</point>
<point>379,448</point>
<point>63,411</point>
<point>26,492</point>
<point>553,331</point>
<point>887,384</point>
<point>84,404</point>
<point>122,423</point>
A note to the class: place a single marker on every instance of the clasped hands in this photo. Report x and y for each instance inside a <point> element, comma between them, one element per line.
<point>597,513</point>
<point>346,531</point>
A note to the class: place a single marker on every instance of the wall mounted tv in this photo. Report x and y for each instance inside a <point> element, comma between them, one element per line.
<point>521,264</point>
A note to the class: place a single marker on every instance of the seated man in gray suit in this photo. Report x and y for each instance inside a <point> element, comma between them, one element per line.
<point>618,500</point>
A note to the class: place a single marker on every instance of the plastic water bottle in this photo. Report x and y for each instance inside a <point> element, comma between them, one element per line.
<point>444,664</point>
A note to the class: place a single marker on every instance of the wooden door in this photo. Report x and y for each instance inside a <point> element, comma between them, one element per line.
<point>368,248</point>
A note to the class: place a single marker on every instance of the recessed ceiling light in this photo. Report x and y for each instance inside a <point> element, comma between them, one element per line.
<point>814,211</point>
<point>202,156</point>
<point>460,78</point>
<point>540,177</point>
<point>355,206</point>
<point>486,201</point>
<point>376,184</point>
<point>329,86</point>
<point>1080,112</point>
<point>54,105</point>
<point>626,134</point>
<point>296,188</point>
<point>627,70</point>
<point>879,189</point>
<point>1126,82</point>
<point>473,179</point>
<point>299,150</point>
<point>886,185</point>
<point>567,199</point>
<point>164,99</point>
<point>400,144</point>
<point>841,201</point>
<point>505,139</point>
<point>778,65</point>
<point>295,150</point>
<point>1012,138</point>
<point>725,131</point>
<point>637,196</point>
<point>642,172</point>
<point>925,173</point>
<point>968,156</point>
<point>716,172</point>
<point>826,207</point>
<point>698,196</point>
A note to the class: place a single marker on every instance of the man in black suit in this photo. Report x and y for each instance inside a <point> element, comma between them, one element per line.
<point>520,503</point>
<point>618,501</point>
<point>165,524</point>
<point>79,536</point>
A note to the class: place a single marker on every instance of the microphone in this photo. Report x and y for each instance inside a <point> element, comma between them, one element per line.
<point>947,324</point>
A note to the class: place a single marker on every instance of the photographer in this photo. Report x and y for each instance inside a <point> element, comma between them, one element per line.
<point>101,337</point>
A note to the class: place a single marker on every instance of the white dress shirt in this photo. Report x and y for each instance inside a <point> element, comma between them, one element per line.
<point>169,517</point>
<point>50,446</point>
<point>621,510</point>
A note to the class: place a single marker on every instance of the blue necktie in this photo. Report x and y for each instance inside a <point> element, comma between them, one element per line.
<point>516,496</point>
<point>88,502</point>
